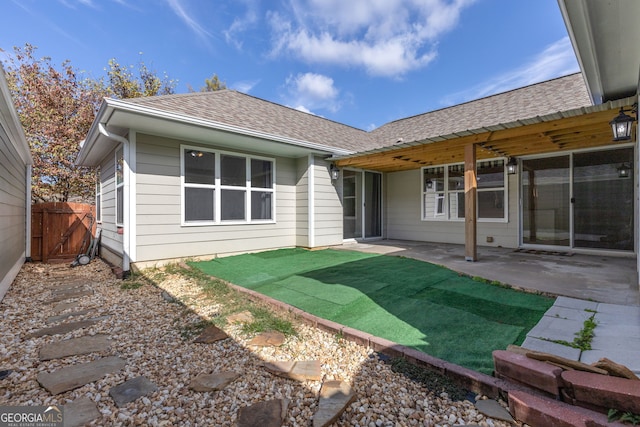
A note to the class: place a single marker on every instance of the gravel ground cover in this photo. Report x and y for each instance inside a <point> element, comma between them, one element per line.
<point>155,337</point>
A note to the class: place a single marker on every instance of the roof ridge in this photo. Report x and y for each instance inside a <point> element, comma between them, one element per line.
<point>480,99</point>
<point>234,91</point>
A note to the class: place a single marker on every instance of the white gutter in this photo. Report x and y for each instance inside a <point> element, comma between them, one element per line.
<point>103,130</point>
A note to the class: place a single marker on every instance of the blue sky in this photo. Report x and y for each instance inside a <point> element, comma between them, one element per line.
<point>359,62</point>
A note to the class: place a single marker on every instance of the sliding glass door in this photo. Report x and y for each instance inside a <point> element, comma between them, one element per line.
<point>581,200</point>
<point>603,199</point>
<point>546,201</point>
<point>361,204</point>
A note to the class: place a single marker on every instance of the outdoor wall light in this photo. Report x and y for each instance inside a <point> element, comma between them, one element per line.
<point>429,184</point>
<point>621,125</point>
<point>335,172</point>
<point>624,170</point>
<point>512,166</point>
<point>195,153</point>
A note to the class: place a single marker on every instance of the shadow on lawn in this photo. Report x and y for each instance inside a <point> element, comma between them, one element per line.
<point>411,302</point>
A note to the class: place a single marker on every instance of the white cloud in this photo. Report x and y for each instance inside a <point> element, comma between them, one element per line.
<point>385,37</point>
<point>557,59</point>
<point>242,24</point>
<point>310,91</point>
<point>179,9</point>
<point>244,86</point>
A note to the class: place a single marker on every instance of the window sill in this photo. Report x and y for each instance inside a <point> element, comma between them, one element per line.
<point>218,224</point>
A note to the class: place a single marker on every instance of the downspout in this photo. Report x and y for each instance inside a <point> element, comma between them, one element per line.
<point>27,250</point>
<point>126,233</point>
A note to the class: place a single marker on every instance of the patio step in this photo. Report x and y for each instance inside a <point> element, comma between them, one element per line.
<point>523,370</point>
<point>543,411</point>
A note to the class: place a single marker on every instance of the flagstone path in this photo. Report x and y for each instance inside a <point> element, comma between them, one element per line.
<point>265,413</point>
<point>112,356</point>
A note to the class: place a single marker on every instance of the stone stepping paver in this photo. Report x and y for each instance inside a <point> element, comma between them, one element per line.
<point>80,412</point>
<point>215,381</point>
<point>63,306</point>
<point>131,390</point>
<point>270,413</point>
<point>210,335</point>
<point>66,287</point>
<point>242,317</point>
<point>60,317</point>
<point>75,376</point>
<point>63,328</point>
<point>300,371</point>
<point>62,296</point>
<point>493,409</point>
<point>75,346</point>
<point>167,297</point>
<point>335,396</point>
<point>268,339</point>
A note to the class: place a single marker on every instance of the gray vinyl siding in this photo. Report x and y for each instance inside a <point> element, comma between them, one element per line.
<point>160,234</point>
<point>13,209</point>
<point>403,215</point>
<point>327,207</point>
<point>302,202</point>
<point>110,238</point>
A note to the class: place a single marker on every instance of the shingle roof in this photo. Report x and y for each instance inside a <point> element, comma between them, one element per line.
<point>552,96</point>
<point>238,109</point>
<point>245,111</point>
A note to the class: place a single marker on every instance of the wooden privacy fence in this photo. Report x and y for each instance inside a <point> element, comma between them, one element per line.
<point>60,231</point>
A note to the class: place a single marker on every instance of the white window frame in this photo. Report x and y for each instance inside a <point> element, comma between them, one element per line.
<point>445,195</point>
<point>119,186</point>
<point>217,188</point>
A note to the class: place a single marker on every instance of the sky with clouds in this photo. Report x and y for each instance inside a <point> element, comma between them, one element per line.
<point>358,62</point>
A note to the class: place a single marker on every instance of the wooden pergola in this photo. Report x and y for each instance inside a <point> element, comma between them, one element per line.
<point>578,129</point>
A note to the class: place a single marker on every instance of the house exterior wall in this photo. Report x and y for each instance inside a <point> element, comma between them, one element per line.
<point>111,244</point>
<point>403,215</point>
<point>327,206</point>
<point>15,198</point>
<point>302,202</point>
<point>159,233</point>
<point>13,211</point>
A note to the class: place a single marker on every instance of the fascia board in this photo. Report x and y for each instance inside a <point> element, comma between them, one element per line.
<point>576,19</point>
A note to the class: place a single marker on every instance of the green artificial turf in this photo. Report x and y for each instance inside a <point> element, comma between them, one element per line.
<point>411,302</point>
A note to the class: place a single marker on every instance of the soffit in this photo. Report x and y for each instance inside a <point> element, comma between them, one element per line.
<point>605,35</point>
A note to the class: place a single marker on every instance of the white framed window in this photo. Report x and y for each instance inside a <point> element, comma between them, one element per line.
<point>119,178</point>
<point>491,193</point>
<point>98,200</point>
<point>443,196</point>
<point>221,187</point>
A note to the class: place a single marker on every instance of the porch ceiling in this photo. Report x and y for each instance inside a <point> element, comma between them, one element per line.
<point>571,130</point>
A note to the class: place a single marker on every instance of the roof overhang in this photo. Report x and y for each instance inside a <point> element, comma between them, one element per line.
<point>9,117</point>
<point>581,128</point>
<point>605,36</point>
<point>121,117</point>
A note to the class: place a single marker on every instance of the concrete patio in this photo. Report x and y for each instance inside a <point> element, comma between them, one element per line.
<point>603,286</point>
<point>600,278</point>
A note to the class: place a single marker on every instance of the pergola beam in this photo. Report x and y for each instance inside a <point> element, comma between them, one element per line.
<point>571,133</point>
